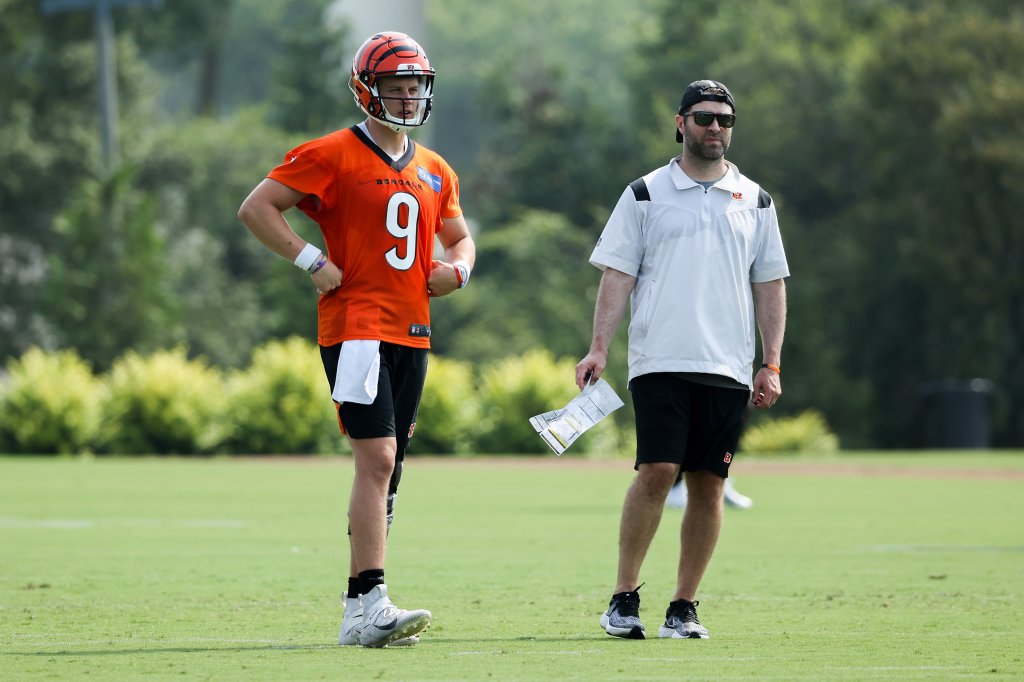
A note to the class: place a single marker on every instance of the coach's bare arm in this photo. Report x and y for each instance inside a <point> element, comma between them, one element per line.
<point>612,299</point>
<point>770,309</point>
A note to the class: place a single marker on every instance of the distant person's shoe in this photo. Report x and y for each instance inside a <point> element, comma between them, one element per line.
<point>735,499</point>
<point>676,496</point>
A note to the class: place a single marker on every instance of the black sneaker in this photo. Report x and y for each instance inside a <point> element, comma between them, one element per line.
<point>681,621</point>
<point>622,619</point>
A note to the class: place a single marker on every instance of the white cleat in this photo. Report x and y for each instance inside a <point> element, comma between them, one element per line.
<point>351,622</point>
<point>384,623</point>
<point>352,625</point>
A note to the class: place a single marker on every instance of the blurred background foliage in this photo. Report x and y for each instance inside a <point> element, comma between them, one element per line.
<point>889,132</point>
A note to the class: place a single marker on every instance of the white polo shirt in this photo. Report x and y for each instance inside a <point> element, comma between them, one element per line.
<point>694,253</point>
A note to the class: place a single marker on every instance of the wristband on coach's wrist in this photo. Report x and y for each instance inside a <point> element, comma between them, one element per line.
<point>774,368</point>
<point>320,262</point>
<point>461,272</point>
<point>308,257</point>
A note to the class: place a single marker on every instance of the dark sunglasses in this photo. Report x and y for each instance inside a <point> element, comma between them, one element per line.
<point>704,118</point>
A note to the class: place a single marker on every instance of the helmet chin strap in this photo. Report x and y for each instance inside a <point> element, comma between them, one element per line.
<point>390,121</point>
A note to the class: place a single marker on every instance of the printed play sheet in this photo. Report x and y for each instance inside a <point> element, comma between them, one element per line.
<point>560,428</point>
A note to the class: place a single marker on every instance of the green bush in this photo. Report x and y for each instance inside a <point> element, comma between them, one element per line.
<point>162,404</point>
<point>806,432</point>
<point>166,403</point>
<point>281,404</point>
<point>449,409</point>
<point>515,389</point>
<point>49,404</point>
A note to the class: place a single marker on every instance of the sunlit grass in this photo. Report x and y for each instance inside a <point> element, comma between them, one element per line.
<point>218,569</point>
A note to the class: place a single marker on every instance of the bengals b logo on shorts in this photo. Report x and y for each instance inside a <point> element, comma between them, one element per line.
<point>727,458</point>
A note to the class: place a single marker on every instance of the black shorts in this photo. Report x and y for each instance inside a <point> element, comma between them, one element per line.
<point>399,387</point>
<point>694,425</point>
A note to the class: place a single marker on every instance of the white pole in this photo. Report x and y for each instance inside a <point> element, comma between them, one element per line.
<point>106,48</point>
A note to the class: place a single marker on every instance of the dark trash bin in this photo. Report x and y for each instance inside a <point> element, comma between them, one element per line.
<point>958,413</point>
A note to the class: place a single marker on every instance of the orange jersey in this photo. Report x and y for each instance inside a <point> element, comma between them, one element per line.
<point>378,218</point>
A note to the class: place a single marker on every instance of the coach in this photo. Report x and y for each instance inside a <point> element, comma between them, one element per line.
<point>695,247</point>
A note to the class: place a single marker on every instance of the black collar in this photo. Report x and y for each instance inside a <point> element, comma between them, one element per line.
<point>398,165</point>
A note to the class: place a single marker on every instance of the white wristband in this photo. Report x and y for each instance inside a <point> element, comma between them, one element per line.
<point>307,257</point>
<point>462,272</point>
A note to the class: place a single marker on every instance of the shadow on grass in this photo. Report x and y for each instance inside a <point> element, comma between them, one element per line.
<point>173,650</point>
<point>302,647</point>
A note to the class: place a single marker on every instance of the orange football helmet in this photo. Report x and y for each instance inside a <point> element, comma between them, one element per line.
<point>391,54</point>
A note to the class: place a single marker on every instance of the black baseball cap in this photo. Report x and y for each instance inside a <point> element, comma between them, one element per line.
<point>704,91</point>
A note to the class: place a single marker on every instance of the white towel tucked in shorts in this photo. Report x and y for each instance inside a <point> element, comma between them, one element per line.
<point>358,370</point>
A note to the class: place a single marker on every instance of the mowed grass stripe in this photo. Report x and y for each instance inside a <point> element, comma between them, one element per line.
<point>842,576</point>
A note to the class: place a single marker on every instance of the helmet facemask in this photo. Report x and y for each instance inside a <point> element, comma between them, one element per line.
<point>387,108</point>
<point>387,56</point>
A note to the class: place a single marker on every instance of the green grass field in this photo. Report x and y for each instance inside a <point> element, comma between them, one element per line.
<point>860,567</point>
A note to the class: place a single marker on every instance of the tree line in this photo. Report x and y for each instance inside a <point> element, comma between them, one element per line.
<point>887,131</point>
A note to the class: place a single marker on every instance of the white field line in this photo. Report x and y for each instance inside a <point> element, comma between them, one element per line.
<point>80,524</point>
<point>895,667</point>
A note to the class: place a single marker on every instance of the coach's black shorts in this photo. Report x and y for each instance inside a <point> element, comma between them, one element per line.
<point>691,424</point>
<point>399,387</point>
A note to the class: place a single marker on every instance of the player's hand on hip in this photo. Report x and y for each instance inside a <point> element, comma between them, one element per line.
<point>327,279</point>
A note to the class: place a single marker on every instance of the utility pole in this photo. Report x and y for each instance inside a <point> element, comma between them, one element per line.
<point>109,249</point>
<point>106,68</point>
